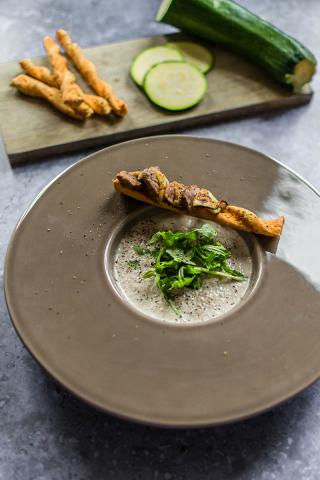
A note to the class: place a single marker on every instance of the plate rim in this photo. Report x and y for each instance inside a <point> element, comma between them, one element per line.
<point>144,420</point>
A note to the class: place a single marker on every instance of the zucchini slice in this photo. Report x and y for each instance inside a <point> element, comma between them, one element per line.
<point>226,23</point>
<point>195,54</point>
<point>149,57</point>
<point>175,85</point>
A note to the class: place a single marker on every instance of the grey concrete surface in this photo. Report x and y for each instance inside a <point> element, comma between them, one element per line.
<point>47,434</point>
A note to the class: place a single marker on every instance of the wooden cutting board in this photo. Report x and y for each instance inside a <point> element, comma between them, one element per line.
<point>31,128</point>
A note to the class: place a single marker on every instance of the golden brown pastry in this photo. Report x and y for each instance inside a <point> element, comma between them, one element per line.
<point>71,92</point>
<point>151,186</point>
<point>89,72</point>
<point>98,104</point>
<point>35,88</point>
<point>38,72</point>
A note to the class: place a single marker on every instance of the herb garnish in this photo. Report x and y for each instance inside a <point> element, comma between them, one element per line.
<point>183,259</point>
<point>141,250</point>
<point>134,263</point>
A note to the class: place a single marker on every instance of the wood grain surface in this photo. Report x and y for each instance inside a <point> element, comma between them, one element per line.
<point>31,128</point>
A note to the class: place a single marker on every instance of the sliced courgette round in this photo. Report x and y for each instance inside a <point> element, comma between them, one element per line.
<point>195,54</point>
<point>149,57</point>
<point>175,85</point>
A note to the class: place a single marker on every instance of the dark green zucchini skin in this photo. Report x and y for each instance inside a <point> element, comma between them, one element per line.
<point>229,24</point>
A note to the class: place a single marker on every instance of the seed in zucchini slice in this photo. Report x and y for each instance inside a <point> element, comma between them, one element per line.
<point>149,57</point>
<point>195,54</point>
<point>175,85</point>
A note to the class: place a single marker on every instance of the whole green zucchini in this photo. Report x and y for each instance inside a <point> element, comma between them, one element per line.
<point>226,23</point>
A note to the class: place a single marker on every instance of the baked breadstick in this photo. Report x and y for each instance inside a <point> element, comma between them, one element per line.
<point>74,96</point>
<point>89,72</point>
<point>57,61</point>
<point>35,88</point>
<point>98,104</point>
<point>151,186</point>
<point>40,73</point>
<point>71,92</point>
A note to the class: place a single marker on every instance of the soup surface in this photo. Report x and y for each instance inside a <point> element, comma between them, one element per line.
<point>213,298</point>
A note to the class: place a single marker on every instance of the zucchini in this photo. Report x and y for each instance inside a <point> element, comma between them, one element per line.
<point>195,54</point>
<point>226,23</point>
<point>175,85</point>
<point>149,57</point>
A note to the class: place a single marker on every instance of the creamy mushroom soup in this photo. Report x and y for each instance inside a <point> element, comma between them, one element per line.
<point>213,298</point>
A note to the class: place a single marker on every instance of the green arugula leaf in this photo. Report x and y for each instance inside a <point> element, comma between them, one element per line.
<point>134,263</point>
<point>206,232</point>
<point>184,259</point>
<point>180,256</point>
<point>141,250</point>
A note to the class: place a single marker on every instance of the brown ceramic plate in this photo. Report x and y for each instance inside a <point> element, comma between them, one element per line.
<point>63,304</point>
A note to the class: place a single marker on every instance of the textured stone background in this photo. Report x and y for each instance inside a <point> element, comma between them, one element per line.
<point>46,434</point>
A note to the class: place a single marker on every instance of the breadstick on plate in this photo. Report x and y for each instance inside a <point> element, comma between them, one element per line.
<point>40,73</point>
<point>71,92</point>
<point>151,186</point>
<point>35,88</point>
<point>89,72</point>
